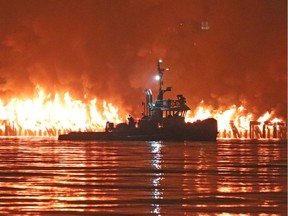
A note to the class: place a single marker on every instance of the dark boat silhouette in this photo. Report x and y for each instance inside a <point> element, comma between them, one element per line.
<point>162,119</point>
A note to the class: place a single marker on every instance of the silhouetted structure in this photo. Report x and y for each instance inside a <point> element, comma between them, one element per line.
<point>162,119</point>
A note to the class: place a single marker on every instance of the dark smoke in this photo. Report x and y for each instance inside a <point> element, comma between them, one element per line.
<point>224,52</point>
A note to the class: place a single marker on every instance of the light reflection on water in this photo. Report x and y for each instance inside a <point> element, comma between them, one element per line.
<point>45,176</point>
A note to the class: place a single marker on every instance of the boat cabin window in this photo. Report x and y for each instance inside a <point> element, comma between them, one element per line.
<point>170,113</point>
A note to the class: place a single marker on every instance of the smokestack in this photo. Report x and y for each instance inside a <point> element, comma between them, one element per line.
<point>149,99</point>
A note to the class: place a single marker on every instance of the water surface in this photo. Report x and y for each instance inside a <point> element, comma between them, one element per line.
<point>43,176</point>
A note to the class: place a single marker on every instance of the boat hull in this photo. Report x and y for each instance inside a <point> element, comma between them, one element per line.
<point>200,131</point>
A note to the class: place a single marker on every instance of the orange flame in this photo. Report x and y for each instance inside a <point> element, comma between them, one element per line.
<point>50,115</point>
<point>234,121</point>
<point>46,114</point>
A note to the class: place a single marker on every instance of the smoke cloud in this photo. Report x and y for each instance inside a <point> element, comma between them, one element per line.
<point>224,52</point>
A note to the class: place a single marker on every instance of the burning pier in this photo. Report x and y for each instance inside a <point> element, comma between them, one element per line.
<point>257,130</point>
<point>275,130</point>
<point>51,115</point>
<point>8,129</point>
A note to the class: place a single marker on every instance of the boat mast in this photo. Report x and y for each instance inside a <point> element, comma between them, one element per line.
<point>160,74</point>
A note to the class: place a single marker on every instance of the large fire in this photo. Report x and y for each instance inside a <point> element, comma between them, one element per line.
<point>237,122</point>
<point>47,115</point>
<point>51,115</point>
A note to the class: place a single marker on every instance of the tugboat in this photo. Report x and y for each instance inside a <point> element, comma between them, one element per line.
<point>162,120</point>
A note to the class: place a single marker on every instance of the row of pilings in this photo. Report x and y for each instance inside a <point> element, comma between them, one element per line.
<point>8,128</point>
<point>257,130</point>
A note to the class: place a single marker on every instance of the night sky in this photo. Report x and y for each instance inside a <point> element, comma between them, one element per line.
<point>224,52</point>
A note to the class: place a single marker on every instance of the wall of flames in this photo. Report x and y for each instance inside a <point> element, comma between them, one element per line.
<point>51,115</point>
<point>238,122</point>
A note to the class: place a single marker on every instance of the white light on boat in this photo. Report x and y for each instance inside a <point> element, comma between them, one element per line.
<point>157,77</point>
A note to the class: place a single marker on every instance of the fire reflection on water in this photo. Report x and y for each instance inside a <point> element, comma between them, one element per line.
<point>250,169</point>
<point>157,192</point>
<point>197,178</point>
<point>64,179</point>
